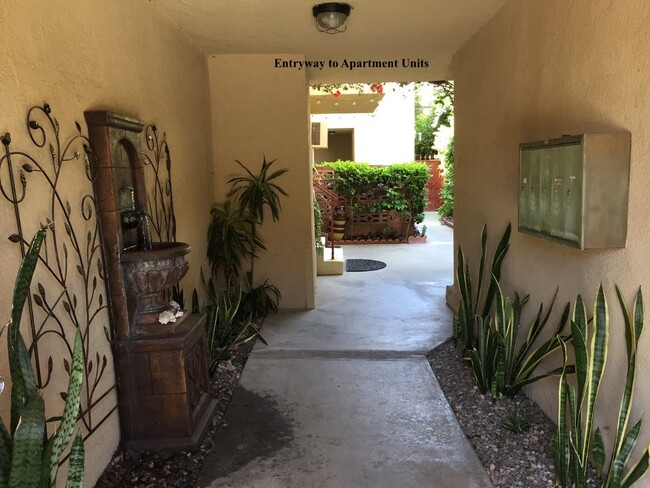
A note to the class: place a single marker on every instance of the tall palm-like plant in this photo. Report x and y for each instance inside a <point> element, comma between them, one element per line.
<point>230,241</point>
<point>256,192</point>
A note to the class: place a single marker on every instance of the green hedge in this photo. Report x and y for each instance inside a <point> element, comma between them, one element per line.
<point>403,183</point>
<point>447,190</point>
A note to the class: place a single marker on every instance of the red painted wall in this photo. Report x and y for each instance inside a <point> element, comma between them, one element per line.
<point>434,185</point>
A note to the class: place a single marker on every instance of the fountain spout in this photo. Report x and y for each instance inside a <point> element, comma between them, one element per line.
<point>140,219</point>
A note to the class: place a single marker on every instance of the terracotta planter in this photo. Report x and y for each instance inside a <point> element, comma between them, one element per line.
<point>338,227</point>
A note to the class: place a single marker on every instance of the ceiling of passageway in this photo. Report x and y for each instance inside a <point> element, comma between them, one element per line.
<point>419,31</point>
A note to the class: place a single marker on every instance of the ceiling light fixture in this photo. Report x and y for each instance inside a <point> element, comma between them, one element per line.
<point>331,16</point>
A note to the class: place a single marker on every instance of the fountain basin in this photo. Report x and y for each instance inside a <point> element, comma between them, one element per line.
<point>148,273</point>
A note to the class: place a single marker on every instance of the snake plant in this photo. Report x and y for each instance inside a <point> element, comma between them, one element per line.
<point>500,367</point>
<point>28,459</point>
<point>465,330</point>
<point>226,327</point>
<point>515,367</point>
<point>482,358</point>
<point>576,442</point>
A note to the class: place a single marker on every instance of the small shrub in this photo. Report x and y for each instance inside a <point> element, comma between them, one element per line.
<point>519,423</point>
<point>447,190</point>
<point>259,300</point>
<point>226,327</point>
<point>403,184</point>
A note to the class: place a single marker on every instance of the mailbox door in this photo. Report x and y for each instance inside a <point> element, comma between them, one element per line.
<point>545,185</point>
<point>556,182</point>
<point>534,216</point>
<point>524,187</point>
<point>574,184</point>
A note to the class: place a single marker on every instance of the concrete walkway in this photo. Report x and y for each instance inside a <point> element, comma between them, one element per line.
<point>343,397</point>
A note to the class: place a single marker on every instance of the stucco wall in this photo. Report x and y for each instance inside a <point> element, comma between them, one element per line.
<point>260,110</point>
<point>538,70</point>
<point>123,56</point>
<point>385,136</point>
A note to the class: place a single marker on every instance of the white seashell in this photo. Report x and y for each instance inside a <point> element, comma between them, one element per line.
<point>2,385</point>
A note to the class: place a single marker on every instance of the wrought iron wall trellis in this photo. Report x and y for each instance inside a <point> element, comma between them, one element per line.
<point>160,199</point>
<point>69,290</point>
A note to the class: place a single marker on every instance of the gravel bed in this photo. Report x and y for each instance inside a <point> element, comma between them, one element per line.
<point>510,459</point>
<point>146,469</point>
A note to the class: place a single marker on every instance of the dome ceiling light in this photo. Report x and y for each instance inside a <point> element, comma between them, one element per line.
<point>331,17</point>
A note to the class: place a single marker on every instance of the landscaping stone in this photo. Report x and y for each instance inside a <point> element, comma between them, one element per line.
<point>510,459</point>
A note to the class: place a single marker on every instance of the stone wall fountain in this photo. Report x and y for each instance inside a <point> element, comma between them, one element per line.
<point>164,394</point>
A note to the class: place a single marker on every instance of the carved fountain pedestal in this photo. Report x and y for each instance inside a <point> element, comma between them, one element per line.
<point>165,400</point>
<point>163,385</point>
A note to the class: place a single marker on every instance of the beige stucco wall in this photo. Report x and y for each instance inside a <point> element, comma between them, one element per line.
<point>538,70</point>
<point>120,55</point>
<point>260,110</point>
<point>386,135</point>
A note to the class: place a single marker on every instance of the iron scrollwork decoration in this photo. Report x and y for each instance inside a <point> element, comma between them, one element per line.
<point>69,290</point>
<point>160,198</point>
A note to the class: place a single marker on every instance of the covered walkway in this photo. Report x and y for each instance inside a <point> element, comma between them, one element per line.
<point>343,395</point>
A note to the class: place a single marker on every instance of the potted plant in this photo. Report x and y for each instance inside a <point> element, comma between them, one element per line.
<point>338,224</point>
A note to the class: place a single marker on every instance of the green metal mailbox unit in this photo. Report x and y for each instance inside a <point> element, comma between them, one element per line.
<point>574,190</point>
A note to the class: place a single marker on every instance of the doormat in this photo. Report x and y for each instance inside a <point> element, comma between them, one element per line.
<point>363,265</point>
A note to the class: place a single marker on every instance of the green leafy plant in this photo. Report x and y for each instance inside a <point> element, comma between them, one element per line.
<point>226,329</point>
<point>232,238</point>
<point>27,457</point>
<point>519,423</point>
<point>389,233</point>
<point>515,366</point>
<point>424,133</point>
<point>230,241</point>
<point>398,187</point>
<point>447,190</point>
<point>499,366</point>
<point>256,192</point>
<point>429,119</point>
<point>490,344</point>
<point>575,441</point>
<point>318,225</point>
<point>482,358</point>
<point>464,322</point>
<point>258,301</point>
